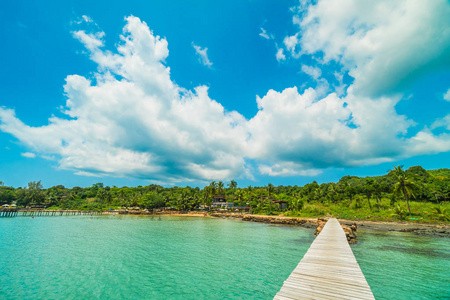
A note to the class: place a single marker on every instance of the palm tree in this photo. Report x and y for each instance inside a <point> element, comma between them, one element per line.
<point>220,188</point>
<point>72,196</point>
<point>184,200</point>
<point>52,197</point>
<point>368,191</point>
<point>135,197</point>
<point>270,189</point>
<point>232,185</point>
<point>441,213</point>
<point>121,196</point>
<point>34,193</point>
<point>213,186</point>
<point>104,196</point>
<point>377,189</point>
<point>350,192</point>
<point>333,195</point>
<point>404,185</point>
<point>207,197</point>
<point>399,212</point>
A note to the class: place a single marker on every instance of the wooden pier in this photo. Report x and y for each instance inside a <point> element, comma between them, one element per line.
<point>8,212</point>
<point>48,213</point>
<point>328,270</point>
<point>45,213</point>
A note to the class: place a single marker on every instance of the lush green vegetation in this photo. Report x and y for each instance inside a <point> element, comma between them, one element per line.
<point>412,194</point>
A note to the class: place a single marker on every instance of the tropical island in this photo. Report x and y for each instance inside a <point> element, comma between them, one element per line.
<point>413,200</point>
<point>413,195</point>
<point>201,149</point>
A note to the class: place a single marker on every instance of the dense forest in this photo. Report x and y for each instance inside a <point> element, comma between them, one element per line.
<point>412,194</point>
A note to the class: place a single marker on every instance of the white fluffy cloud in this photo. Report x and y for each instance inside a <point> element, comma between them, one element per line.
<point>132,120</point>
<point>383,45</point>
<point>317,133</point>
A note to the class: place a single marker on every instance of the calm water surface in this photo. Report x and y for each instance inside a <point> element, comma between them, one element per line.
<point>125,257</point>
<point>401,265</point>
<point>136,257</point>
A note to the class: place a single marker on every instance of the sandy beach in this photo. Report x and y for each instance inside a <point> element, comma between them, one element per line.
<point>437,229</point>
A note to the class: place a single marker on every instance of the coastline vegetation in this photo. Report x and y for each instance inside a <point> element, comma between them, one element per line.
<point>415,195</point>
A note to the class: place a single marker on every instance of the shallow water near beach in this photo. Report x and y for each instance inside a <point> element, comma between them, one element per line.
<point>400,265</point>
<point>129,257</point>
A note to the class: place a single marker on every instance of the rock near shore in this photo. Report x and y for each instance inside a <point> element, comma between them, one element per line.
<point>350,231</point>
<point>309,223</point>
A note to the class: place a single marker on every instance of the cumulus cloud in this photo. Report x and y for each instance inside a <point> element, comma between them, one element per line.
<point>202,55</point>
<point>315,132</point>
<point>131,119</point>
<point>383,45</point>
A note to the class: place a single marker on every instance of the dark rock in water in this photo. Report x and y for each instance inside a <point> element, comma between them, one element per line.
<point>409,229</point>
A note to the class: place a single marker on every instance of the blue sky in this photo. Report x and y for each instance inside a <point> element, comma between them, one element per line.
<point>185,92</point>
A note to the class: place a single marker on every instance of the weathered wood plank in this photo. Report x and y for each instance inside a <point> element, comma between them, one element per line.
<point>328,270</point>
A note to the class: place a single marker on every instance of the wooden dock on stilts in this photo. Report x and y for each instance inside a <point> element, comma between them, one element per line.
<point>45,213</point>
<point>328,270</point>
<point>8,212</point>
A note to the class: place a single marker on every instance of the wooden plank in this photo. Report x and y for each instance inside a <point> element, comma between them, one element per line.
<point>329,281</point>
<point>328,270</point>
<point>341,291</point>
<point>321,293</point>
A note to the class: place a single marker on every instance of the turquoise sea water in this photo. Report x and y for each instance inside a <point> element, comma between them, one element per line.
<point>125,257</point>
<point>401,265</point>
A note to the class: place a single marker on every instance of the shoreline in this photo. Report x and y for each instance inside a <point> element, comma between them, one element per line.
<point>438,229</point>
<point>434,229</point>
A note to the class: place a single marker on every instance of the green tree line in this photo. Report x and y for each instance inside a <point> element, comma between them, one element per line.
<point>400,194</point>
